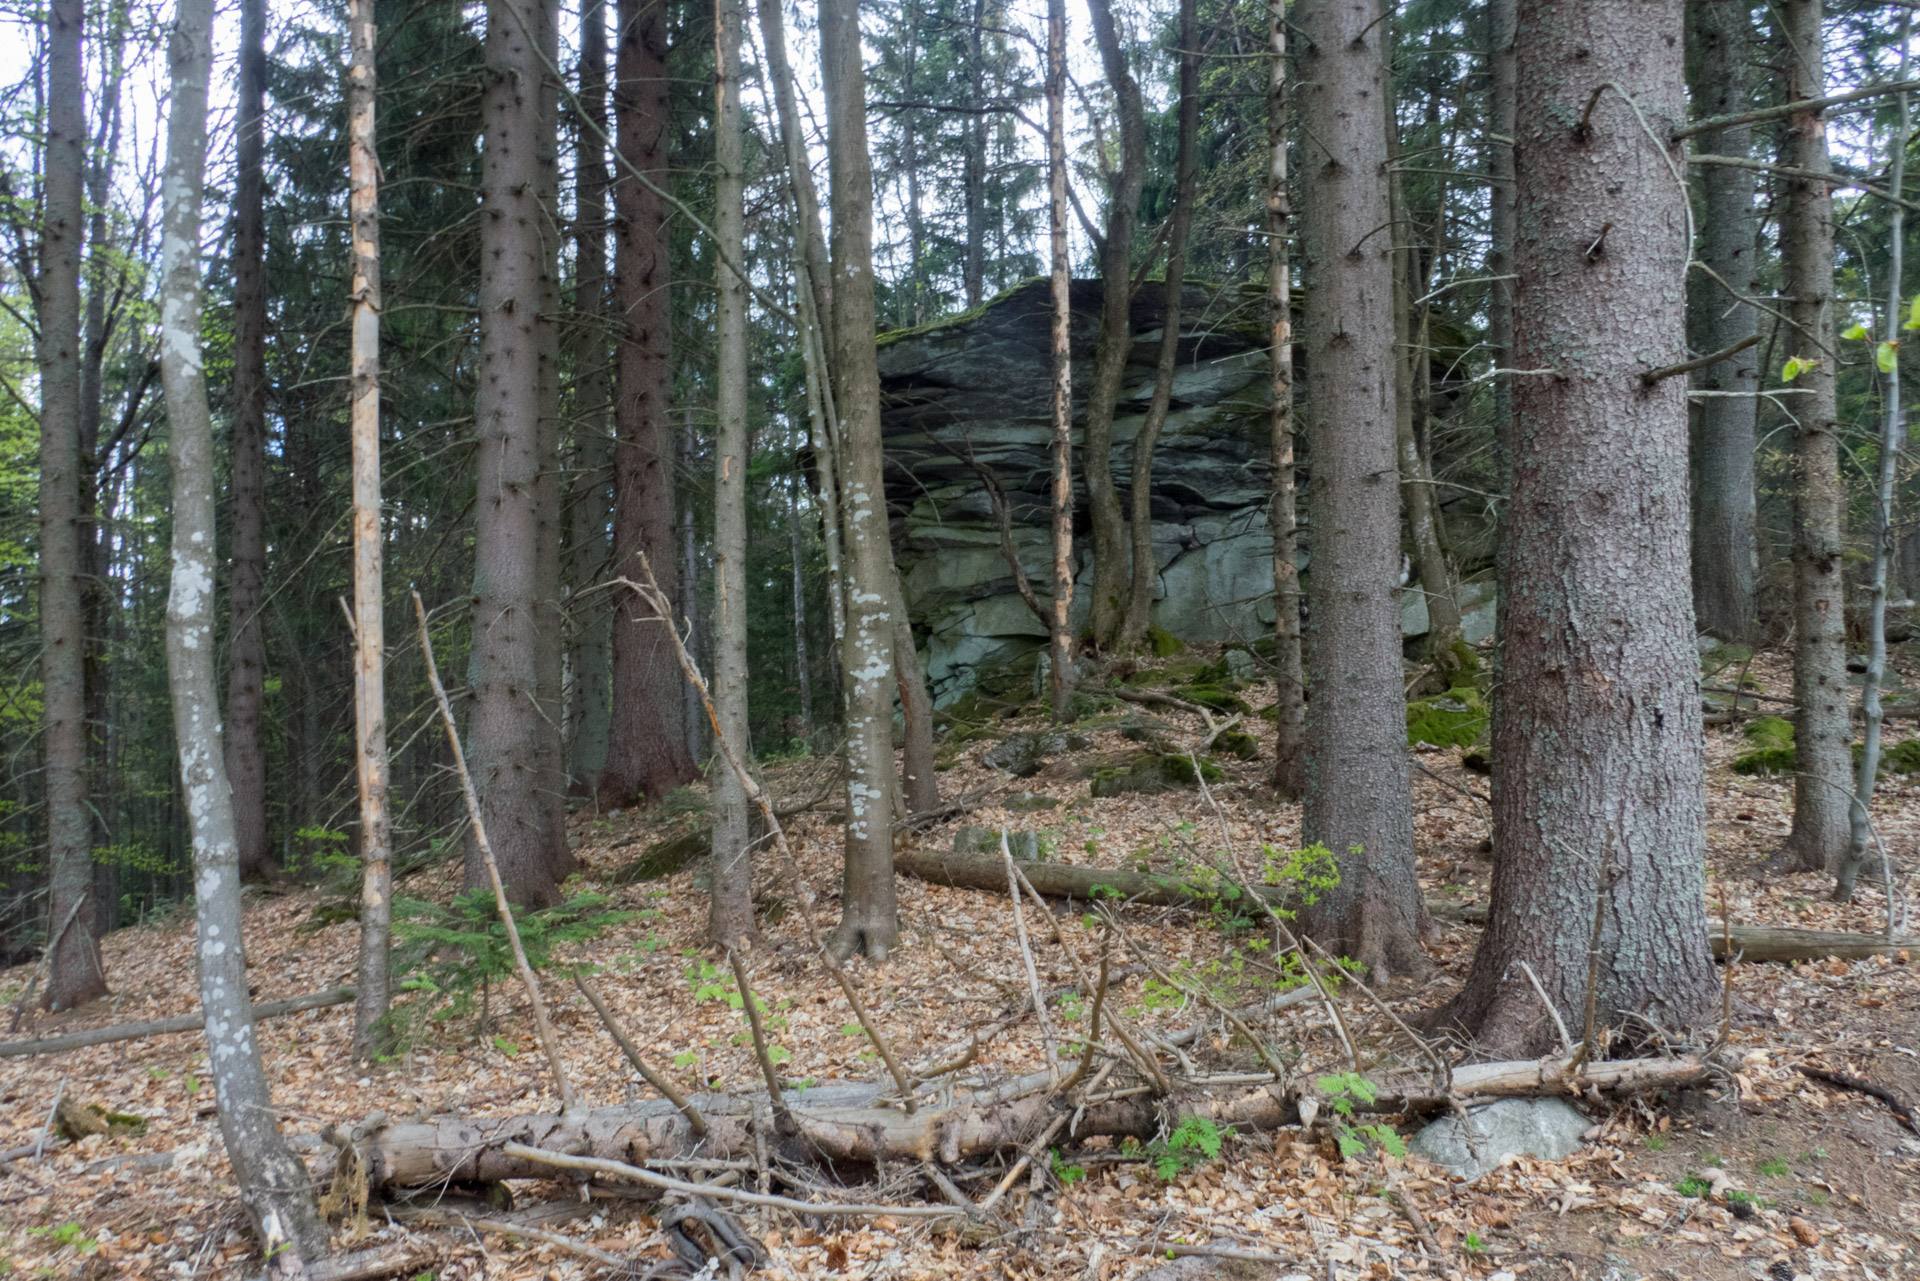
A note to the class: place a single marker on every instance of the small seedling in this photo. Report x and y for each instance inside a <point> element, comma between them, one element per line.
<point>1065,1172</point>
<point>1473,1244</point>
<point>1342,1091</point>
<point>1193,1143</point>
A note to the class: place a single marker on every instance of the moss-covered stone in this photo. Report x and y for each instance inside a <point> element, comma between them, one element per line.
<point>666,858</point>
<point>1901,758</point>
<point>1220,698</point>
<point>1180,768</point>
<point>1163,643</point>
<point>1234,743</point>
<point>1770,747</point>
<point>1150,772</point>
<point>1455,719</point>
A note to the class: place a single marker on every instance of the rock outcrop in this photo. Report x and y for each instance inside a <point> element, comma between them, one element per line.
<point>970,394</point>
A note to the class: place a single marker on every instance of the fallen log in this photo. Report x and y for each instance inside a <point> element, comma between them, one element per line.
<point>850,1122</point>
<point>1064,880</point>
<point>161,1027</point>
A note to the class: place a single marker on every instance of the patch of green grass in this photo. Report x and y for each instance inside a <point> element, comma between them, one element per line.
<point>1656,1143</point>
<point>1693,1185</point>
<point>1773,1168</point>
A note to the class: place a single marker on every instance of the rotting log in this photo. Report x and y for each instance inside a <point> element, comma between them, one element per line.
<point>162,1027</point>
<point>850,1122</point>
<point>1062,880</point>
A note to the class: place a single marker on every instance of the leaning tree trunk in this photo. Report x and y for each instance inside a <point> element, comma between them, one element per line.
<point>1059,621</point>
<point>1726,558</point>
<point>246,588</point>
<point>509,728</point>
<point>1599,832</point>
<point>1146,571</point>
<point>1358,797</point>
<point>869,923</point>
<point>1823,775</point>
<point>730,904</point>
<point>589,617</point>
<point>647,752</point>
<point>273,1182</point>
<point>1107,592</point>
<point>1289,737</point>
<point>76,976</point>
<point>369,599</point>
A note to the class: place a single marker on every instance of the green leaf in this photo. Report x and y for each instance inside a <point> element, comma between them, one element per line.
<point>506,1047</point>
<point>1887,356</point>
<point>1795,367</point>
<point>1913,314</point>
<point>1856,333</point>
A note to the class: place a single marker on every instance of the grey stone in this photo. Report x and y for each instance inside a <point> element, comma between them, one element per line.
<point>974,839</point>
<point>1028,803</point>
<point>1549,1129</point>
<point>1242,666</point>
<point>1024,755</point>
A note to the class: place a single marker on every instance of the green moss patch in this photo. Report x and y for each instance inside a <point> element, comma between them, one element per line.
<point>1234,743</point>
<point>1456,718</point>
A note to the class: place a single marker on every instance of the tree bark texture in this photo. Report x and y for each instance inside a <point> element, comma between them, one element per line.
<point>246,586</point>
<point>512,737</point>
<point>919,781</point>
<point>1145,570</point>
<point>1111,573</point>
<point>272,1181</point>
<point>1598,801</point>
<point>1726,556</point>
<point>1358,797</point>
<point>1502,16</point>
<point>1290,720</point>
<point>76,975</point>
<point>590,620</point>
<point>1823,777</point>
<point>369,598</point>
<point>869,923</point>
<point>647,752</point>
<point>730,904</point>
<point>1059,625</point>
<point>973,270</point>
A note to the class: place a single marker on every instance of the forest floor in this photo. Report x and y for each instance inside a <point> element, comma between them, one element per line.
<point>1834,1179</point>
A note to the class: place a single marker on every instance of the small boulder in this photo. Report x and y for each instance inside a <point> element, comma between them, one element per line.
<point>1028,802</point>
<point>1024,755</point>
<point>974,839</point>
<point>1549,1129</point>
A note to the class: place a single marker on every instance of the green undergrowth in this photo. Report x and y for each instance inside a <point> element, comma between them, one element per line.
<point>1771,751</point>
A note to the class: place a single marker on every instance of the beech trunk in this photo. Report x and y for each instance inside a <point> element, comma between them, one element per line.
<point>1059,625</point>
<point>1289,679</point>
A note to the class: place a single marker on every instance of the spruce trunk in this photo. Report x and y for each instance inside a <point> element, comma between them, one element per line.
<point>1289,738</point>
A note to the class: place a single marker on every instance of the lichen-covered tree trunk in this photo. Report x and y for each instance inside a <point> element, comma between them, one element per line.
<point>1598,775</point>
<point>369,598</point>
<point>869,923</point>
<point>1111,573</point>
<point>647,751</point>
<point>1358,801</point>
<point>76,975</point>
<point>1060,341</point>
<point>1822,731</point>
<point>1726,554</point>
<point>1146,574</point>
<point>730,904</point>
<point>589,618</point>
<point>247,445</point>
<point>273,1183</point>
<point>1289,731</point>
<point>512,733</point>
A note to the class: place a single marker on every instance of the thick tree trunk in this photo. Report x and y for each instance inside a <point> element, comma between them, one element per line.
<point>1290,721</point>
<point>590,618</point>
<point>1146,571</point>
<point>369,600</point>
<point>272,1181</point>
<point>1502,120</point>
<point>76,975</point>
<point>730,905</point>
<point>1111,572</point>
<point>869,922</point>
<point>1726,558</point>
<point>1059,624</point>
<point>512,738</point>
<point>1599,830</point>
<point>647,752</point>
<point>246,589</point>
<point>1823,775</point>
<point>1358,797</point>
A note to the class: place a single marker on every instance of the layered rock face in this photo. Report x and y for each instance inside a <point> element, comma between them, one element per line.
<point>972,394</point>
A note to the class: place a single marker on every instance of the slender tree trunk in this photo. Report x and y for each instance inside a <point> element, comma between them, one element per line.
<point>919,784</point>
<point>590,510</point>
<point>730,910</point>
<point>369,599</point>
<point>273,1182</point>
<point>1726,558</point>
<point>1411,379</point>
<point>246,631</point>
<point>1502,121</point>
<point>1893,440</point>
<point>911,18</point>
<point>692,714</point>
<point>1823,777</point>
<point>1289,743</point>
<point>512,737</point>
<point>1146,571</point>
<point>1599,824</point>
<point>974,182</point>
<point>1111,572</point>
<point>869,922</point>
<point>1060,627</point>
<point>76,975</point>
<point>802,662</point>
<point>648,753</point>
<point>1358,802</point>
